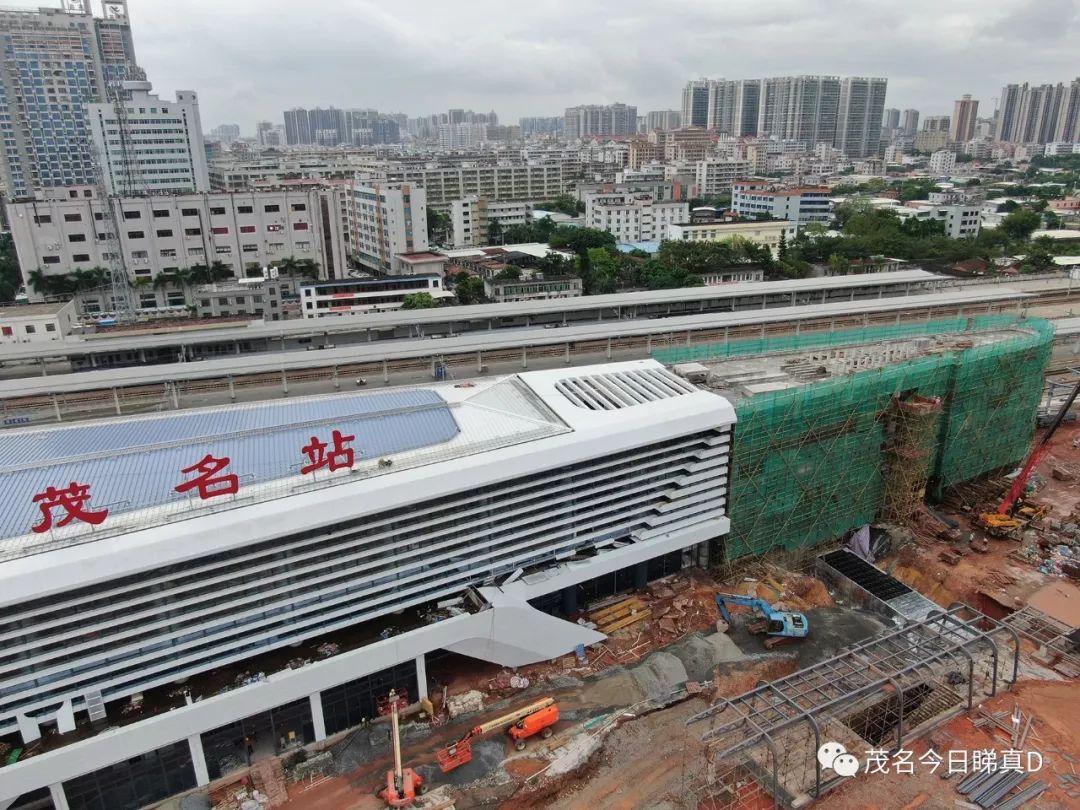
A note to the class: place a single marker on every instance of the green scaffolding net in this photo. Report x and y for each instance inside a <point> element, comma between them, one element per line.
<point>809,463</point>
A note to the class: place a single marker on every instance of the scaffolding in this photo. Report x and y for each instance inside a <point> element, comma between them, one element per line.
<point>813,461</point>
<point>875,695</point>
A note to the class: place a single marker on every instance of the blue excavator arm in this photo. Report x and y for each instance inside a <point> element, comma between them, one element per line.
<point>788,624</point>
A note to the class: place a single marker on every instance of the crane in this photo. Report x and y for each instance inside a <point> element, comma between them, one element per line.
<point>535,718</point>
<point>402,784</point>
<point>779,625</point>
<point>1001,521</point>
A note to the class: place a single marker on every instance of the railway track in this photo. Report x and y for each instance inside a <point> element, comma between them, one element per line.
<point>156,397</point>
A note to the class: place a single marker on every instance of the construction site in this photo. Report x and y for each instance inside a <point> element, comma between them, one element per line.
<point>892,620</point>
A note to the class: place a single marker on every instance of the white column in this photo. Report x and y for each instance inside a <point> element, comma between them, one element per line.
<point>317,719</point>
<point>198,760</point>
<point>421,677</point>
<point>59,798</point>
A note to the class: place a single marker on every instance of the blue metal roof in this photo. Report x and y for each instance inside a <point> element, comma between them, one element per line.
<point>135,464</point>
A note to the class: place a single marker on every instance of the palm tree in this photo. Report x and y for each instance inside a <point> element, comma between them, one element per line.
<point>308,268</point>
<point>289,266</point>
<point>41,283</point>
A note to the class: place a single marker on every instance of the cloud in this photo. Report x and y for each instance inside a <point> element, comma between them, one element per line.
<point>250,60</point>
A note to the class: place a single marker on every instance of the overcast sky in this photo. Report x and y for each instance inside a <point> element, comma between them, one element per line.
<point>251,59</point>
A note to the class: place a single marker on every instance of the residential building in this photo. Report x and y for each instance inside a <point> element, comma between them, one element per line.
<point>909,122</point>
<point>246,173</point>
<point>35,323</point>
<point>766,233</point>
<point>734,106</point>
<point>942,162</point>
<point>1061,148</point>
<point>662,119</point>
<point>687,144</point>
<point>147,145</point>
<point>858,118</point>
<point>532,126</point>
<point>56,62</point>
<point>979,148</point>
<point>931,140</point>
<point>226,133</point>
<point>695,103</point>
<point>936,123</point>
<point>714,177</point>
<point>960,221</point>
<point>800,108</point>
<point>799,206</point>
<point>590,120</point>
<point>644,151</point>
<point>891,119</point>
<point>505,182</point>
<point>571,474</point>
<point>365,295</point>
<point>633,217</point>
<point>501,291</point>
<point>70,229</point>
<point>385,220</point>
<point>471,218</point>
<point>1039,114</point>
<point>965,114</point>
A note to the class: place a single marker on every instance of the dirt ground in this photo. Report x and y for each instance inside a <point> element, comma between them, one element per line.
<point>1056,709</point>
<point>653,760</point>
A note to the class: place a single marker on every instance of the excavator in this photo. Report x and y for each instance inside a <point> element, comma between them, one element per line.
<point>520,724</point>
<point>780,626</point>
<point>1005,522</point>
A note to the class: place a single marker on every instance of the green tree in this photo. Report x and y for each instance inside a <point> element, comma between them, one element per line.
<point>1008,207</point>
<point>1040,256</point>
<point>602,274</point>
<point>494,232</point>
<point>563,204</point>
<point>838,265</point>
<point>467,288</point>
<point>420,300</point>
<point>1019,225</point>
<point>438,226</point>
<point>781,248</point>
<point>579,239</point>
<point>508,274</point>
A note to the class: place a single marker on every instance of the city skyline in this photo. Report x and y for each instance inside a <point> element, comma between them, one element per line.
<point>540,60</point>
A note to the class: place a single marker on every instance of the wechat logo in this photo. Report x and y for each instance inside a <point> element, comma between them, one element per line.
<point>833,756</point>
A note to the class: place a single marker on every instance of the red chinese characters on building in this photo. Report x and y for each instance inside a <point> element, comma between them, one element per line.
<point>207,481</point>
<point>73,500</point>
<point>338,456</point>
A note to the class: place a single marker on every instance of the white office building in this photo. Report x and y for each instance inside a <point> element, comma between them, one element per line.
<point>714,177</point>
<point>205,540</point>
<point>149,145</point>
<point>36,323</point>
<point>960,221</point>
<point>768,233</point>
<point>71,229</point>
<point>633,216</point>
<point>471,218</point>
<point>800,206</point>
<point>350,296</point>
<point>384,221</point>
<point>942,162</point>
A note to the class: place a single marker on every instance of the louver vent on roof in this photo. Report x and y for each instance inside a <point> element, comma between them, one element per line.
<point>622,389</point>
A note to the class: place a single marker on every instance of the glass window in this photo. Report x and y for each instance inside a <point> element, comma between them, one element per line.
<point>190,212</point>
<point>164,233</point>
<point>271,209</point>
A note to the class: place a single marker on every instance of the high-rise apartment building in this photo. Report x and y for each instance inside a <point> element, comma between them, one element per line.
<point>385,221</point>
<point>695,103</point>
<point>542,125</point>
<point>734,106</point>
<point>965,111</point>
<point>936,123</point>
<point>147,145</point>
<point>891,119</point>
<point>590,120</point>
<point>801,108</point>
<point>858,118</point>
<point>662,119</point>
<point>335,127</point>
<point>1040,114</point>
<point>55,61</point>
<point>909,122</point>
